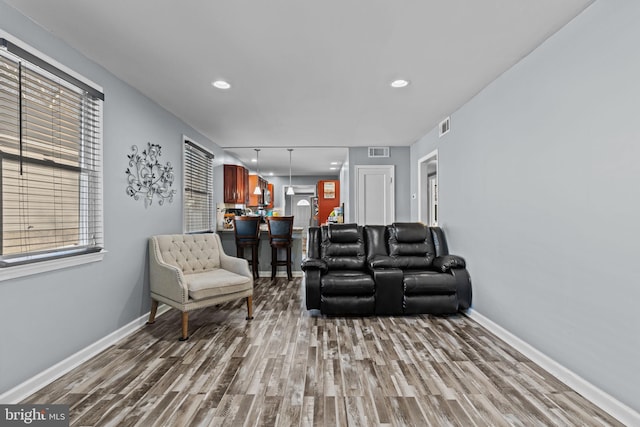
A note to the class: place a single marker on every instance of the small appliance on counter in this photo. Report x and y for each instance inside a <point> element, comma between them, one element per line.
<point>262,212</point>
<point>228,215</point>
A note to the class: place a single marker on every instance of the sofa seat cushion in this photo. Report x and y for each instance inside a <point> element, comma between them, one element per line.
<point>347,282</point>
<point>428,282</point>
<point>215,282</point>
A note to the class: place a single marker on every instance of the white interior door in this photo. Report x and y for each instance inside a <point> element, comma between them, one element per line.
<point>375,200</point>
<point>301,213</point>
<point>428,189</point>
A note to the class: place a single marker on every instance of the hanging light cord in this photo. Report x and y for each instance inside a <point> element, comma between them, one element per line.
<point>257,160</point>
<point>290,150</point>
<point>290,191</point>
<point>257,191</point>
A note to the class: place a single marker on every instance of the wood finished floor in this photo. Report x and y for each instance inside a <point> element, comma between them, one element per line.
<point>289,367</point>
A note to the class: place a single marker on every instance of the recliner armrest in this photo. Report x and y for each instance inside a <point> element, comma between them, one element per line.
<point>314,264</point>
<point>381,261</point>
<point>447,262</point>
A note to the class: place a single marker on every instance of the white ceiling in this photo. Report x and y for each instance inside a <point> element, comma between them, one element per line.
<point>305,74</point>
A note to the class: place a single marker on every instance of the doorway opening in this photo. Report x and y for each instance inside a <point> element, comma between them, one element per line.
<point>300,206</point>
<point>428,189</point>
<point>301,211</point>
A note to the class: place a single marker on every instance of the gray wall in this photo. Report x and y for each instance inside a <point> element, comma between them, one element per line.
<point>47,317</point>
<point>539,181</point>
<point>400,158</point>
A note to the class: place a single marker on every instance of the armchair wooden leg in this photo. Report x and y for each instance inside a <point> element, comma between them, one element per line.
<point>250,307</point>
<point>185,326</point>
<point>152,313</point>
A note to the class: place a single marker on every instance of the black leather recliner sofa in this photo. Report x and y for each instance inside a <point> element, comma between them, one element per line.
<point>338,279</point>
<point>403,268</point>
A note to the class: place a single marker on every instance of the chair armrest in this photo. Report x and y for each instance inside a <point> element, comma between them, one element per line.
<point>381,261</point>
<point>309,264</point>
<point>235,265</point>
<point>447,262</point>
<point>311,282</point>
<point>165,279</point>
<point>463,286</point>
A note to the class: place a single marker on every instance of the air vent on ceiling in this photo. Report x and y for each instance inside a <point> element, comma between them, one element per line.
<point>378,151</point>
<point>444,126</point>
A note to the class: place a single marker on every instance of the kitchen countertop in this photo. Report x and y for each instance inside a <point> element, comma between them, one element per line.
<point>263,227</point>
<point>264,249</point>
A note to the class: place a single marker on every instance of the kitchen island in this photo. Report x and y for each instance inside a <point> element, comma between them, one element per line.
<point>264,251</point>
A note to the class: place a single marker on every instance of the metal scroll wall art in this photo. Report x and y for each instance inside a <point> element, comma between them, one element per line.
<point>147,178</point>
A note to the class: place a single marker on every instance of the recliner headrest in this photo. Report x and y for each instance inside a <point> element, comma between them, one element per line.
<point>410,232</point>
<point>343,233</point>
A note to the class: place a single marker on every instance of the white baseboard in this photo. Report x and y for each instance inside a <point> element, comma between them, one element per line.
<point>605,401</point>
<point>33,384</point>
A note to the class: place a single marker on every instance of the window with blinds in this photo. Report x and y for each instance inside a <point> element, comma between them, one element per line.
<point>50,161</point>
<point>198,188</point>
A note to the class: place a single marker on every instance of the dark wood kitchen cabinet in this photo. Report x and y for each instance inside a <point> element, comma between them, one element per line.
<point>236,184</point>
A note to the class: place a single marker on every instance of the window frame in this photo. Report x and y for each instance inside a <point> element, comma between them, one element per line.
<point>212,219</point>
<point>69,259</point>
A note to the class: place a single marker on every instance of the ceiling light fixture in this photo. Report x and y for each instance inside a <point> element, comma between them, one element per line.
<point>290,191</point>
<point>257,191</point>
<point>399,83</point>
<point>221,84</point>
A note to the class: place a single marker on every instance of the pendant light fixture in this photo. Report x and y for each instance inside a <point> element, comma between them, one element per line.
<point>257,191</point>
<point>290,191</point>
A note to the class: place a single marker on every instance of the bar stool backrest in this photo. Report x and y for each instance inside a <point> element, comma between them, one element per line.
<point>246,228</point>
<point>280,229</point>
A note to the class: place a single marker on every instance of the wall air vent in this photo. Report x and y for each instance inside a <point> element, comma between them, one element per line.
<point>444,126</point>
<point>378,151</point>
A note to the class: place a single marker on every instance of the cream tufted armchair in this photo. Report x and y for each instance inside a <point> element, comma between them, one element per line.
<point>191,271</point>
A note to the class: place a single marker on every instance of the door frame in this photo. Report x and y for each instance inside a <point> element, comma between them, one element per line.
<point>423,188</point>
<point>392,198</point>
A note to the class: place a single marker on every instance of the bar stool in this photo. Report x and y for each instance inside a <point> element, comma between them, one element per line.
<point>280,230</point>
<point>247,233</point>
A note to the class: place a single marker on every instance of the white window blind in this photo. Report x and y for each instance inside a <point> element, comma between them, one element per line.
<point>198,188</point>
<point>50,161</point>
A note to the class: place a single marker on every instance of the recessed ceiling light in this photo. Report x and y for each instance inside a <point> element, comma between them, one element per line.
<point>334,163</point>
<point>399,83</point>
<point>254,160</point>
<point>221,84</point>
<point>333,169</point>
<point>270,173</point>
